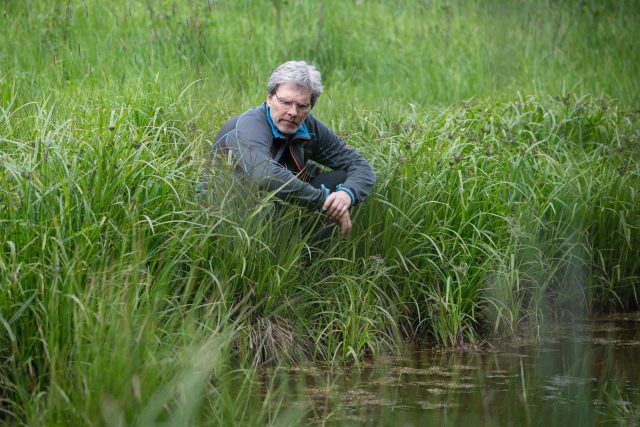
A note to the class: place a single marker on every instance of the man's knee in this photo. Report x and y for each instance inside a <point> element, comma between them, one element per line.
<point>329,179</point>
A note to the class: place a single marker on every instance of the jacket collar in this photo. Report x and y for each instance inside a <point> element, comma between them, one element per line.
<point>302,132</point>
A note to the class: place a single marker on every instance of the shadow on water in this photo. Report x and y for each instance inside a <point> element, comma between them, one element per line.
<point>582,373</point>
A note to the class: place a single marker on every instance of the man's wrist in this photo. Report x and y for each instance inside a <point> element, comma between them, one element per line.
<point>340,187</point>
<point>325,193</point>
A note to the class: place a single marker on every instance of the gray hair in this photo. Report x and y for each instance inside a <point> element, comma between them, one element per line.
<point>297,73</point>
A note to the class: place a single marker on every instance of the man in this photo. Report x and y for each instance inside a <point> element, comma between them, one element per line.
<point>279,146</point>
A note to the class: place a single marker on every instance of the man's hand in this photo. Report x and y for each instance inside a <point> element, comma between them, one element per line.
<point>337,207</point>
<point>345,224</point>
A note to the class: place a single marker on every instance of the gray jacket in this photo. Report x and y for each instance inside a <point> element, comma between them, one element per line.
<point>262,153</point>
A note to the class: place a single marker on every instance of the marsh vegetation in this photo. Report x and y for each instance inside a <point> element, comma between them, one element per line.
<point>505,137</point>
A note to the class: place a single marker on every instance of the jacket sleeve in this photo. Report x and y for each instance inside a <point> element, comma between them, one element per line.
<point>335,154</point>
<point>251,144</point>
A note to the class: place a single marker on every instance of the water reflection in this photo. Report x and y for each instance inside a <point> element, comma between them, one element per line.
<point>582,373</point>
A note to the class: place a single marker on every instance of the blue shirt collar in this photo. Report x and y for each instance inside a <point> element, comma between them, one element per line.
<point>302,132</point>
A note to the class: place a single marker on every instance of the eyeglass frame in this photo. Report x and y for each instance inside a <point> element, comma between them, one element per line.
<point>303,108</point>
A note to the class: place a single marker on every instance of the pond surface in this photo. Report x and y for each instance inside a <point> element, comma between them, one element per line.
<point>580,373</point>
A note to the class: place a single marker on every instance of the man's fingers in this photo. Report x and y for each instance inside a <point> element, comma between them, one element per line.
<point>336,212</point>
<point>344,222</point>
<point>331,204</point>
<point>337,204</point>
<point>333,209</point>
<point>345,226</point>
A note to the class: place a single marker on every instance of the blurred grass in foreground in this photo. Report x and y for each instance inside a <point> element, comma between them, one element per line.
<point>123,299</point>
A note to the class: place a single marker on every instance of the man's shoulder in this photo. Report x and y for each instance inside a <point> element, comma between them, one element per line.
<point>311,120</point>
<point>253,121</point>
<point>253,118</point>
<point>318,130</point>
<point>252,115</point>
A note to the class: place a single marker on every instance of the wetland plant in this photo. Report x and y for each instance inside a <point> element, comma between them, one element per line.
<point>123,298</point>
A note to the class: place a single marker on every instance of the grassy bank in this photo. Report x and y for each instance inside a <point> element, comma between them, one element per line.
<point>505,139</point>
<point>487,218</point>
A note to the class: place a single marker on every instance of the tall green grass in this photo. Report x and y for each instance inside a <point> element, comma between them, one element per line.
<point>487,218</point>
<point>123,298</point>
<point>423,53</point>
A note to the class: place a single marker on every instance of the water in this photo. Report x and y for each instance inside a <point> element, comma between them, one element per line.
<point>580,373</point>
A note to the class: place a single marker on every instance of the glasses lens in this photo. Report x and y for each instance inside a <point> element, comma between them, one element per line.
<point>289,104</point>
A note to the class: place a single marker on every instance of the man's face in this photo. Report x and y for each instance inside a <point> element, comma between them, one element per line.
<point>289,106</point>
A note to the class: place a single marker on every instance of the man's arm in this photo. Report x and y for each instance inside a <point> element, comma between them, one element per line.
<point>334,153</point>
<point>251,143</point>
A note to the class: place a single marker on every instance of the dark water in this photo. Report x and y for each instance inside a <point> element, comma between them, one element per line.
<point>579,373</point>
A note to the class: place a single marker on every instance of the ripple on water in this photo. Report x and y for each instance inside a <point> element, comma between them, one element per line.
<point>560,371</point>
<point>436,405</point>
<point>359,397</point>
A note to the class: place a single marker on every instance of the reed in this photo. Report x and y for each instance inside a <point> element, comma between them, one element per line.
<point>124,298</point>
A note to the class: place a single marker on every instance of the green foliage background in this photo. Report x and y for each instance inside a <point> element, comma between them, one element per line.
<point>505,136</point>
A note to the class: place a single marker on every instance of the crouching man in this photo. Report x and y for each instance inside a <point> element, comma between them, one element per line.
<point>280,146</point>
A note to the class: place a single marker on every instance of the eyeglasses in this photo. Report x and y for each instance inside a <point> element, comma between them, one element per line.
<point>303,108</point>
